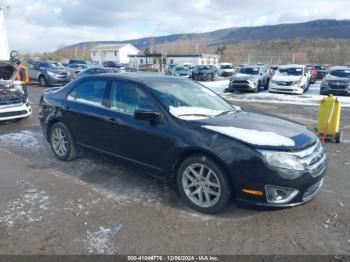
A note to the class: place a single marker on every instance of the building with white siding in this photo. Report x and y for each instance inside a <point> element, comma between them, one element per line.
<point>119,53</point>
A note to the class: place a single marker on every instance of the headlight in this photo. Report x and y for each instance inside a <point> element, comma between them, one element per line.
<point>273,82</point>
<point>324,84</point>
<point>50,73</point>
<point>289,166</point>
<point>297,82</point>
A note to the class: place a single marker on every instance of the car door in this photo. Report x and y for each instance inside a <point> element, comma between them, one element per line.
<point>141,142</point>
<point>84,112</point>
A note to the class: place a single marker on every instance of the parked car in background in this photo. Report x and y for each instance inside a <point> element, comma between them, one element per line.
<point>182,132</point>
<point>47,73</point>
<point>272,70</point>
<point>290,79</point>
<point>313,73</point>
<point>321,71</point>
<point>336,82</point>
<point>169,69</point>
<point>93,71</point>
<point>189,66</point>
<point>75,69</point>
<point>249,78</point>
<point>204,73</point>
<point>226,69</point>
<point>182,71</point>
<point>77,61</point>
<point>117,68</point>
<point>14,104</point>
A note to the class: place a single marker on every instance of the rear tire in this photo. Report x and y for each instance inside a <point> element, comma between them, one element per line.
<point>62,143</point>
<point>203,184</point>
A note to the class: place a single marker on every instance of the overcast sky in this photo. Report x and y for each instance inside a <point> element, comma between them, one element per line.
<point>34,25</point>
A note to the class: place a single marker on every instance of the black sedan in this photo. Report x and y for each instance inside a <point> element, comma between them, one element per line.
<point>204,73</point>
<point>178,130</point>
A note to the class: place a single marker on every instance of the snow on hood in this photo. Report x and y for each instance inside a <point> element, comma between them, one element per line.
<point>254,137</point>
<point>278,77</point>
<point>193,113</point>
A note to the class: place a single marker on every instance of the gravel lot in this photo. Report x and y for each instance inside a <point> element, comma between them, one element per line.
<point>93,206</point>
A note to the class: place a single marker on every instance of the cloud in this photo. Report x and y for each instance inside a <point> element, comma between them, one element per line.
<point>45,25</point>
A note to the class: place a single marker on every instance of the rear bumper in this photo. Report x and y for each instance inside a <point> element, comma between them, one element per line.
<point>17,111</point>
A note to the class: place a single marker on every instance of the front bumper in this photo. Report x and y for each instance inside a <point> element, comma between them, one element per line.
<point>335,91</point>
<point>292,89</point>
<point>241,86</point>
<point>304,187</point>
<point>302,198</point>
<point>16,111</point>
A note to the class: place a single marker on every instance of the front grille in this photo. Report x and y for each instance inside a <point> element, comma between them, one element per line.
<point>11,98</point>
<point>15,113</point>
<point>312,191</point>
<point>284,83</point>
<point>338,85</point>
<point>313,158</point>
<point>240,82</point>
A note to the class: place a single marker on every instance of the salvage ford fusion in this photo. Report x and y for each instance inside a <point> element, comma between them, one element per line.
<point>177,129</point>
<point>13,102</point>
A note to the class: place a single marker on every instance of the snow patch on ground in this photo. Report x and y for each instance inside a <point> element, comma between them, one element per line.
<point>25,139</point>
<point>29,207</point>
<point>99,242</point>
<point>310,97</point>
<point>253,137</point>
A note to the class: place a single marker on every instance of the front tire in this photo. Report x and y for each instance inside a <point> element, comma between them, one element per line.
<point>203,184</point>
<point>61,141</point>
<point>43,81</point>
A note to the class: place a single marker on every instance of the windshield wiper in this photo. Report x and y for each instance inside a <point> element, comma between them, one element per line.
<point>195,115</point>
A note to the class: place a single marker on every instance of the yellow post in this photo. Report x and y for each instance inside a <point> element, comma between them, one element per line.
<point>329,105</point>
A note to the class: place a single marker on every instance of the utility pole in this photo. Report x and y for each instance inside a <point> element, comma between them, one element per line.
<point>4,46</point>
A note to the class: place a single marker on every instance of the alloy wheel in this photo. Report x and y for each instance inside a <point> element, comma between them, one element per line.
<point>59,142</point>
<point>201,185</point>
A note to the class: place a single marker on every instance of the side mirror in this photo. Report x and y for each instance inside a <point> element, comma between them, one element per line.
<point>146,115</point>
<point>13,54</point>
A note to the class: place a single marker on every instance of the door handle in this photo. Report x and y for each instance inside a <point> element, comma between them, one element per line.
<point>112,120</point>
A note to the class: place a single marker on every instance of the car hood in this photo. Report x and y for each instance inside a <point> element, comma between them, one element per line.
<point>261,131</point>
<point>7,72</point>
<point>244,77</point>
<point>331,78</point>
<point>286,78</point>
<point>182,72</point>
<point>56,71</point>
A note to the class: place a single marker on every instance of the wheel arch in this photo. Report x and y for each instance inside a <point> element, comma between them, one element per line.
<point>199,151</point>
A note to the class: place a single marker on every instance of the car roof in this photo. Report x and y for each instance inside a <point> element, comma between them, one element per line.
<point>145,78</point>
<point>291,66</point>
<point>339,68</point>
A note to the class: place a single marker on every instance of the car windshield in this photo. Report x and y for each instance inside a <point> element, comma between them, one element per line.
<point>344,73</point>
<point>225,66</point>
<point>189,100</point>
<point>180,68</point>
<point>48,65</point>
<point>320,67</point>
<point>290,71</point>
<point>249,70</point>
<point>203,67</point>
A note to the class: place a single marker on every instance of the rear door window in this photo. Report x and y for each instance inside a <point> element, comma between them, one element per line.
<point>90,92</point>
